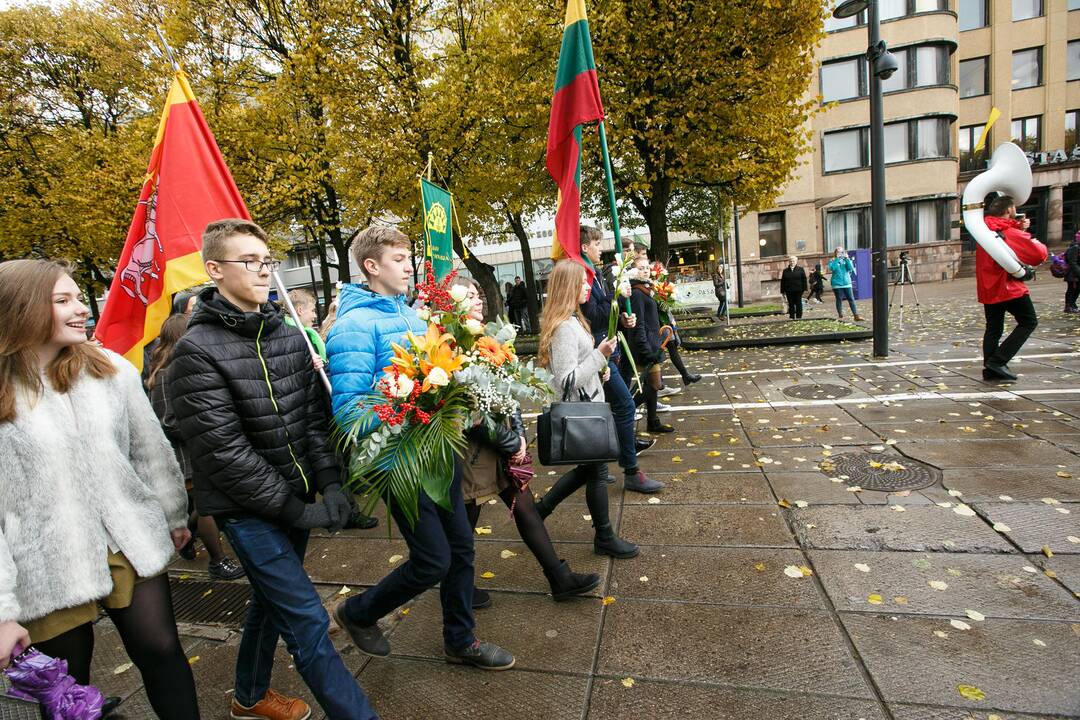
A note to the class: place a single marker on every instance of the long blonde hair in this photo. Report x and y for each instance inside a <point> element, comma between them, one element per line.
<point>26,322</point>
<point>564,289</point>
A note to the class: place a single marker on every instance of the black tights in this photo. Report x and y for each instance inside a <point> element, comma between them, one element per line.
<point>676,360</point>
<point>529,525</point>
<point>148,629</point>
<point>596,494</point>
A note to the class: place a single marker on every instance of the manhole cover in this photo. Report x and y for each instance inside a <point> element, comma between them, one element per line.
<point>210,603</point>
<point>885,473</point>
<point>815,391</point>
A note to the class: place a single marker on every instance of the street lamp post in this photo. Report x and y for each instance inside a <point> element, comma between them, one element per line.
<point>882,65</point>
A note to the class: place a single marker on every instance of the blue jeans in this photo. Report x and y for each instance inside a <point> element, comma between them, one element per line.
<point>285,603</point>
<point>440,551</point>
<point>622,409</point>
<point>840,294</point>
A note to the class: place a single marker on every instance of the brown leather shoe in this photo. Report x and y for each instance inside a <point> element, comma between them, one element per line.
<point>273,706</point>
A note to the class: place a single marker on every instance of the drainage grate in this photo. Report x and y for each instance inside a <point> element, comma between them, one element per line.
<point>815,391</point>
<point>895,474</point>
<point>15,709</point>
<point>210,603</point>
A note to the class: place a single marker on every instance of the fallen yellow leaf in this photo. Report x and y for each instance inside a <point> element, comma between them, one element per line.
<point>484,530</point>
<point>874,599</point>
<point>120,669</point>
<point>345,590</point>
<point>628,682</point>
<point>487,575</point>
<point>507,554</point>
<point>1062,474</point>
<point>405,611</point>
<point>760,567</point>
<point>395,559</point>
<point>1047,552</point>
<point>676,459</point>
<point>193,659</point>
<point>608,600</point>
<point>784,503</point>
<point>971,692</point>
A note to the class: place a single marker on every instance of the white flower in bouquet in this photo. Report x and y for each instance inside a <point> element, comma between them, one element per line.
<point>438,377</point>
<point>459,293</point>
<point>423,313</point>
<point>631,273</point>
<point>624,289</point>
<point>400,387</point>
<point>475,327</point>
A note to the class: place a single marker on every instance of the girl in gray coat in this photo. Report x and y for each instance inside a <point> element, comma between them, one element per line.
<point>92,500</point>
<point>567,350</point>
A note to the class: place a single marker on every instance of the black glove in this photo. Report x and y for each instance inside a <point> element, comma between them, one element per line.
<point>337,506</point>
<point>1029,274</point>
<point>315,515</point>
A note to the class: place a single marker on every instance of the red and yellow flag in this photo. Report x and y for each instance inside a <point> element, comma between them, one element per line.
<point>576,101</point>
<point>187,186</point>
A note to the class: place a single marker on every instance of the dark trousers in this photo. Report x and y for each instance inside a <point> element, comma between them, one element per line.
<point>284,603</point>
<point>815,292</point>
<point>441,553</point>
<point>794,304</point>
<point>842,294</point>
<point>721,308</point>
<point>1023,311</point>
<point>1072,292</point>
<point>622,409</point>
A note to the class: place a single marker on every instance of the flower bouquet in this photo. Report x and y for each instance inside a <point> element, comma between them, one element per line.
<point>624,273</point>
<point>663,290</point>
<point>437,385</point>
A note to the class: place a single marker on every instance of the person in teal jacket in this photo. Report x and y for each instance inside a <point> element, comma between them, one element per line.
<point>370,318</point>
<point>843,272</point>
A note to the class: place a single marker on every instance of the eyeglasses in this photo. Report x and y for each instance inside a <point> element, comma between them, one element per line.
<point>256,265</point>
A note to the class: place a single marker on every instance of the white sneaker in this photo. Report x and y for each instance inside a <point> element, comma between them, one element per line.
<point>669,391</point>
<point>638,415</point>
<point>663,407</point>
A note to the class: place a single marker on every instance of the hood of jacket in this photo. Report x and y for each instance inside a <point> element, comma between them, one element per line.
<point>1000,224</point>
<point>354,296</point>
<point>214,309</point>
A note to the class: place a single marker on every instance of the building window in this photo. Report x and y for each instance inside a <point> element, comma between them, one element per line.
<point>849,229</point>
<point>843,79</point>
<point>1074,60</point>
<point>923,221</point>
<point>974,77</point>
<point>922,6</point>
<point>1027,68</point>
<point>844,149</point>
<point>973,14</point>
<point>889,9</point>
<point>970,160</point>
<point>931,138</point>
<point>1027,9</point>
<point>931,65</point>
<point>1027,133</point>
<point>771,232</point>
<point>1074,4</point>
<point>897,147</point>
<point>896,224</point>
<point>1072,140</point>
<point>900,79</point>
<point>833,24</point>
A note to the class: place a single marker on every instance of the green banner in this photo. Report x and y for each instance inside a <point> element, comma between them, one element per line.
<point>438,234</point>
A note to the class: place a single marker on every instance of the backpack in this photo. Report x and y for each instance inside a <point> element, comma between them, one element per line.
<point>1058,265</point>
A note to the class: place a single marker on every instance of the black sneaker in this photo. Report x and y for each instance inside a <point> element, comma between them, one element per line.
<point>188,551</point>
<point>660,428</point>
<point>226,569</point>
<point>643,444</point>
<point>1001,370</point>
<point>360,521</point>
<point>483,655</point>
<point>368,640</point>
<point>480,599</point>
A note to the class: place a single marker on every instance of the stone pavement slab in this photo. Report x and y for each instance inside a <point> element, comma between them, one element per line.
<point>706,489</point>
<point>1067,569</point>
<point>351,560</point>
<point>994,585</point>
<point>542,634</point>
<point>1025,483</point>
<point>746,647</point>
<point>757,526</point>
<point>1034,526</point>
<point>977,453</point>
<point>918,528</point>
<point>612,700</point>
<point>901,711</point>
<point>722,576</point>
<point>409,689</point>
<point>521,572</point>
<point>813,487</point>
<point>909,663</point>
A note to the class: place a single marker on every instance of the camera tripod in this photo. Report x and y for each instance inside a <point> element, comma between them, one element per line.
<point>902,280</point>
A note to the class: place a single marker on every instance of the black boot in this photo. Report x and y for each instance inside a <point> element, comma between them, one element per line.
<point>480,599</point>
<point>607,542</point>
<point>566,584</point>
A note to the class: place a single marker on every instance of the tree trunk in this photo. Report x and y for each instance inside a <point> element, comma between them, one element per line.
<point>91,295</point>
<point>518,226</point>
<point>484,275</point>
<point>658,231</point>
<point>324,272</point>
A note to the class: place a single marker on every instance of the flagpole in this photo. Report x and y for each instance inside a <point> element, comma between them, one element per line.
<point>611,199</point>
<point>168,50</point>
<point>300,325</point>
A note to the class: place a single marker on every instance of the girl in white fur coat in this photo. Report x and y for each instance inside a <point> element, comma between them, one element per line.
<point>92,501</point>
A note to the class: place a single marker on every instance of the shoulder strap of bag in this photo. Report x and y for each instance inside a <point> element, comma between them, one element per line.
<point>568,385</point>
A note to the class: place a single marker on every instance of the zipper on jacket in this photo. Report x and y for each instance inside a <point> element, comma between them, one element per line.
<point>270,387</point>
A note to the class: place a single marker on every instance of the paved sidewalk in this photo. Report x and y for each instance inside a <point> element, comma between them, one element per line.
<point>773,582</point>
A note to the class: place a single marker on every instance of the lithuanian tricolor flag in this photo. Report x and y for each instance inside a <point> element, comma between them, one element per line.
<point>187,186</point>
<point>576,101</point>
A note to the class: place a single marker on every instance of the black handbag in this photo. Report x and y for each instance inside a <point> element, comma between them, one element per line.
<point>576,432</point>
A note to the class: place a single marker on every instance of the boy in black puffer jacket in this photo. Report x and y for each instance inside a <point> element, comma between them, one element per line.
<point>255,422</point>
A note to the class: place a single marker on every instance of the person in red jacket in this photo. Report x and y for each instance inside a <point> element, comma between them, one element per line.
<point>1001,293</point>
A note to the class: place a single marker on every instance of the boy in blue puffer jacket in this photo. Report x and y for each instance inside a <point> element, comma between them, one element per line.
<point>370,318</point>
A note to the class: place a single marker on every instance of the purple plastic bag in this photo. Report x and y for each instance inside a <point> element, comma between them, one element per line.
<point>45,680</point>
